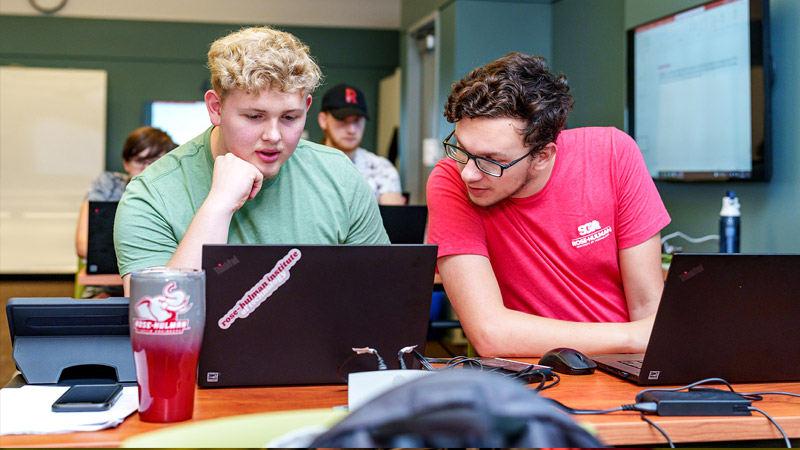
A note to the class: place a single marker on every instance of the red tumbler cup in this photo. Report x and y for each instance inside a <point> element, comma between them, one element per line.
<point>167,316</point>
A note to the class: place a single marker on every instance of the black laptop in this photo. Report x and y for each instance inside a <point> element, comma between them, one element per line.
<point>405,224</point>
<point>731,316</point>
<point>278,315</point>
<point>100,255</point>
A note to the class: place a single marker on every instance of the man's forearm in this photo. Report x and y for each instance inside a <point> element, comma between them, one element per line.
<point>642,278</point>
<point>494,330</point>
<point>209,226</point>
<point>514,333</point>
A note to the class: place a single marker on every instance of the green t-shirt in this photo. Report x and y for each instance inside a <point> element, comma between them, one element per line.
<point>318,197</point>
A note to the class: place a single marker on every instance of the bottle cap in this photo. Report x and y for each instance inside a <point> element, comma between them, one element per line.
<point>730,205</point>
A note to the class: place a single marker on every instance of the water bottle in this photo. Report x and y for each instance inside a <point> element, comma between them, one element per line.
<point>729,217</point>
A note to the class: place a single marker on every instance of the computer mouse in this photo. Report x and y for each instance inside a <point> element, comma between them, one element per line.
<point>568,361</point>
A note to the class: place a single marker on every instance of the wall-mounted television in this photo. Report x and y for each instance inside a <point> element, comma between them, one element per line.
<point>182,121</point>
<point>699,92</point>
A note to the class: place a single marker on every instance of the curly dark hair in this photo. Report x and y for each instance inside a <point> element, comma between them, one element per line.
<point>518,86</point>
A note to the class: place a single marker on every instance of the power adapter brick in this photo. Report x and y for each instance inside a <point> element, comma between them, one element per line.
<point>700,402</point>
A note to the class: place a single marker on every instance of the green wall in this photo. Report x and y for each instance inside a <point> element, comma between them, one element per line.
<point>414,10</point>
<point>476,32</point>
<point>586,48</point>
<point>166,61</point>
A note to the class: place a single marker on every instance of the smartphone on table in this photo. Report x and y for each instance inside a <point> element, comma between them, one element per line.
<point>88,397</point>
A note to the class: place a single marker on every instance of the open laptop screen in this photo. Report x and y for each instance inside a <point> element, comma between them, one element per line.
<point>279,314</point>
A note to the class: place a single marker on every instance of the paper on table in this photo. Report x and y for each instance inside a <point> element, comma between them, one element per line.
<point>26,410</point>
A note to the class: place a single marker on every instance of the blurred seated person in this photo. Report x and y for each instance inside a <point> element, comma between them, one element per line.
<point>143,146</point>
<point>342,118</point>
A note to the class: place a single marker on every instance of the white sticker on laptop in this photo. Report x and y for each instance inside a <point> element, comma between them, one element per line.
<point>265,287</point>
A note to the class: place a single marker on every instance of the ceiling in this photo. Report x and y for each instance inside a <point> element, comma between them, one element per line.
<point>378,14</point>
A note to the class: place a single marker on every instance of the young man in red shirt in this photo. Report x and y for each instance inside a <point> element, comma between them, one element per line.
<point>547,238</point>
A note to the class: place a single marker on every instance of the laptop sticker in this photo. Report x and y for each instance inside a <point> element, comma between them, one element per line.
<point>262,290</point>
<point>159,314</point>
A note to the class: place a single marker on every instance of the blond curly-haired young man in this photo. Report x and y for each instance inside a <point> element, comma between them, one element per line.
<point>249,178</point>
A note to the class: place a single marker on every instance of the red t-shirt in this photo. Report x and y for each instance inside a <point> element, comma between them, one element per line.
<point>556,253</point>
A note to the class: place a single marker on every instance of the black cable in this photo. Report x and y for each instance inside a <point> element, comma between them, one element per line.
<point>556,379</point>
<point>652,407</point>
<point>780,430</point>
<point>756,394</point>
<point>753,396</point>
<point>660,430</point>
<point>540,386</point>
<point>524,375</point>
<point>642,407</point>
<point>423,360</point>
<point>381,363</point>
<point>402,353</point>
<point>688,386</point>
<point>529,373</point>
<point>341,366</point>
<point>465,361</point>
<point>360,351</point>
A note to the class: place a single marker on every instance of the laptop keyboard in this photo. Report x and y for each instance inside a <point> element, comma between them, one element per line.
<point>637,363</point>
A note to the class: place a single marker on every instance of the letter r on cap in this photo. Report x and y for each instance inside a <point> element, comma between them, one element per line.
<point>350,96</point>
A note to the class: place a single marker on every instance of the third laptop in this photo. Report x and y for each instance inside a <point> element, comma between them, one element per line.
<point>101,257</point>
<point>729,316</point>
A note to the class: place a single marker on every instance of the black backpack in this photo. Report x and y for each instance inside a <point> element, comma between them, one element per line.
<point>457,408</point>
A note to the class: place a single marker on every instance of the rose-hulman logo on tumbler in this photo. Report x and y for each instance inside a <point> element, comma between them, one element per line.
<point>159,314</point>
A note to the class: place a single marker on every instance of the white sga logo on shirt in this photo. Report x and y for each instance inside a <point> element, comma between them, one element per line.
<point>590,233</point>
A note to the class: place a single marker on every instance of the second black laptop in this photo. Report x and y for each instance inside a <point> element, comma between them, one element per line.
<point>730,316</point>
<point>405,224</point>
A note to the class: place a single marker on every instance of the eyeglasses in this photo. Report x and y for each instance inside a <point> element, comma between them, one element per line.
<point>142,162</point>
<point>485,165</point>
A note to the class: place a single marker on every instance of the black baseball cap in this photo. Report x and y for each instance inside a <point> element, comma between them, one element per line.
<point>343,101</point>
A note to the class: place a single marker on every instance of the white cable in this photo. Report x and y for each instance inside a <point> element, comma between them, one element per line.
<point>669,248</point>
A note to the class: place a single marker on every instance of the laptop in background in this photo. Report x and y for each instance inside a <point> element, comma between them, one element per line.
<point>282,314</point>
<point>730,316</point>
<point>100,254</point>
<point>405,224</point>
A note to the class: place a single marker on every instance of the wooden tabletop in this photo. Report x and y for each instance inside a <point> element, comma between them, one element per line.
<point>597,391</point>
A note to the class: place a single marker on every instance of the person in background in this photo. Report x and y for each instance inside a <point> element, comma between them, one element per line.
<point>249,178</point>
<point>547,238</point>
<point>142,147</point>
<point>342,119</point>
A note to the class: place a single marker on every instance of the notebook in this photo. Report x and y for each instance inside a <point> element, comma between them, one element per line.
<point>405,224</point>
<point>731,316</point>
<point>100,254</point>
<point>278,314</point>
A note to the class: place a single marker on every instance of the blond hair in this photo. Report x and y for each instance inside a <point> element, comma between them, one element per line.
<point>256,58</point>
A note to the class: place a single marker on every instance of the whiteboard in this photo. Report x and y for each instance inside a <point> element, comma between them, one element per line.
<point>52,145</point>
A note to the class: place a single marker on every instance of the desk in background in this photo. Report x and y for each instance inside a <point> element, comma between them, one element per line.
<point>597,391</point>
<point>110,279</point>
